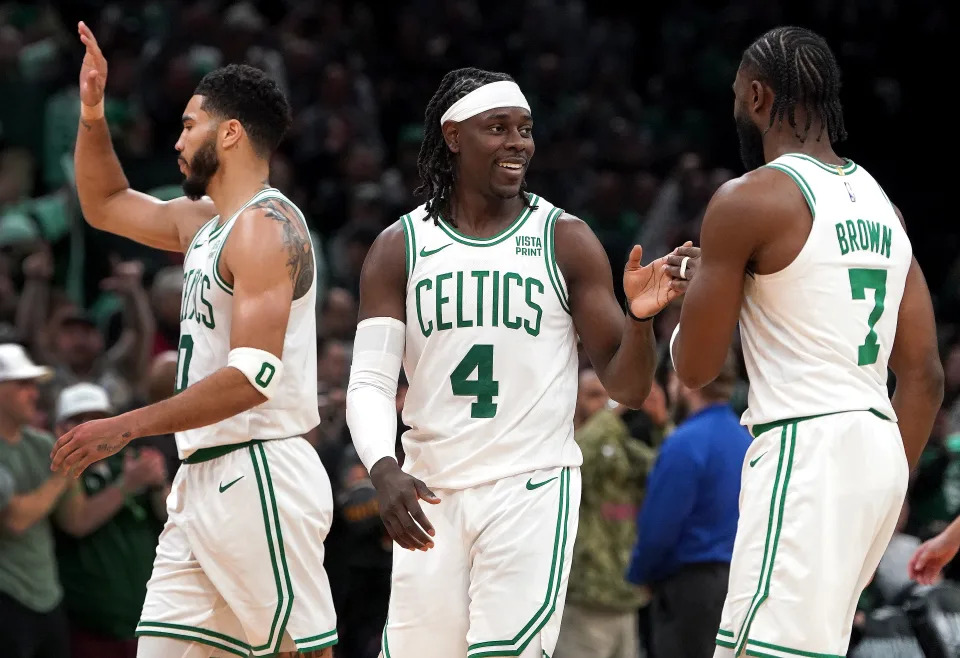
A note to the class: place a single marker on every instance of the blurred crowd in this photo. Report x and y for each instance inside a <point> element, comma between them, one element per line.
<point>634,134</point>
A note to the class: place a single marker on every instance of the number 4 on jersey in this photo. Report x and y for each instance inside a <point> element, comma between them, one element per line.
<point>484,387</point>
<point>860,281</point>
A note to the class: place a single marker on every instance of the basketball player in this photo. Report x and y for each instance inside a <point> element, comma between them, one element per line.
<point>239,567</point>
<point>481,293</point>
<point>812,258</point>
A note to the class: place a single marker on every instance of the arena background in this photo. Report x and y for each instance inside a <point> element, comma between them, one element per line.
<point>634,130</point>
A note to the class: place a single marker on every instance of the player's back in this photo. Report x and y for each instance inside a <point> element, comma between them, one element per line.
<point>490,352</point>
<point>817,335</point>
<point>205,319</point>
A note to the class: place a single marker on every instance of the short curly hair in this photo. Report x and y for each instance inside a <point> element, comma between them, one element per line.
<point>247,94</point>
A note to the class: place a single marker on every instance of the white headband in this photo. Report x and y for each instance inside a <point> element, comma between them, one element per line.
<point>503,93</point>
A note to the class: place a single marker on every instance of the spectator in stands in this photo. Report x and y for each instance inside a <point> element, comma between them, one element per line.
<point>74,345</point>
<point>104,572</point>
<point>600,618</point>
<point>160,384</point>
<point>689,518</point>
<point>32,622</point>
<point>165,295</point>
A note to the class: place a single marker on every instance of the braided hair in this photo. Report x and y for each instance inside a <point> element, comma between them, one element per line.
<point>435,163</point>
<point>800,68</point>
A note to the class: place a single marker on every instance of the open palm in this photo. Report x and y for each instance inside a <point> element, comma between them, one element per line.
<point>93,71</point>
<point>648,288</point>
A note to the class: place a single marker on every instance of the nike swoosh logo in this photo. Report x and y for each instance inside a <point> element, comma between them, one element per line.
<point>756,459</point>
<point>425,252</point>
<point>224,487</point>
<point>531,486</point>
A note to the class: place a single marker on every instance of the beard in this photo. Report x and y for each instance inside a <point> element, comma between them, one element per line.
<point>751,144</point>
<point>202,166</point>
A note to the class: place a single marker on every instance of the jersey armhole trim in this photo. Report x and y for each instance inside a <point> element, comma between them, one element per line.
<point>550,257</point>
<point>801,184</point>
<point>196,236</point>
<point>227,288</point>
<point>409,244</point>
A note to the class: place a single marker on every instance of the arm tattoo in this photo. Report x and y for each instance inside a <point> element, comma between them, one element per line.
<point>296,241</point>
<point>85,124</point>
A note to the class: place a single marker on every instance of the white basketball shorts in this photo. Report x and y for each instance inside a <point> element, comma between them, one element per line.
<point>239,565</point>
<point>496,580</point>
<point>819,502</point>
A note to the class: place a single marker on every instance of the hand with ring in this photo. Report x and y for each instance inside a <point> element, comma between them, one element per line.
<point>682,265</point>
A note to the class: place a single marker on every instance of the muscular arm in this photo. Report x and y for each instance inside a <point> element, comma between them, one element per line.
<point>382,295</point>
<point>268,256</point>
<point>622,350</point>
<point>733,227</point>
<point>27,509</point>
<point>110,205</point>
<point>267,266</point>
<point>915,361</point>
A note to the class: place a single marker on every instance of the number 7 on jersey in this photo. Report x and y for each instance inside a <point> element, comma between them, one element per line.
<point>860,281</point>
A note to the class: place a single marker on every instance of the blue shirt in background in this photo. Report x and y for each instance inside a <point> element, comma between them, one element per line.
<point>691,507</point>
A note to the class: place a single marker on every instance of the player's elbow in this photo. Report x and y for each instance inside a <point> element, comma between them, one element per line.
<point>924,378</point>
<point>695,378</point>
<point>932,379</point>
<point>631,396</point>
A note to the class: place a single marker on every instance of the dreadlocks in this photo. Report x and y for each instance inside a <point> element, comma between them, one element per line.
<point>435,162</point>
<point>800,68</point>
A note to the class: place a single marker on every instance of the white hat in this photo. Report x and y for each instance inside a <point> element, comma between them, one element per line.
<point>15,364</point>
<point>82,398</point>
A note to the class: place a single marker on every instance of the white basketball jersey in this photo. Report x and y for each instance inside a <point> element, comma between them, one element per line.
<point>490,353</point>
<point>817,335</point>
<point>205,315</point>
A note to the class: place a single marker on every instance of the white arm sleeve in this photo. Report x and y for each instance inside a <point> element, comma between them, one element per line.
<point>372,392</point>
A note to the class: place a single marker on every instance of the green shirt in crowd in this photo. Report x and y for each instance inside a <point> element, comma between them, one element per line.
<point>613,475</point>
<point>105,574</point>
<point>28,566</point>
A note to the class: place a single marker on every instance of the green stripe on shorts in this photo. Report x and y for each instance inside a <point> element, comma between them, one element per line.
<point>515,646</point>
<point>778,498</point>
<point>193,634</point>
<point>278,559</point>
<point>316,642</point>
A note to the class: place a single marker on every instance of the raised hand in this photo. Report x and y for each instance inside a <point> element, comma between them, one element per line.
<point>93,72</point>
<point>126,276</point>
<point>648,288</point>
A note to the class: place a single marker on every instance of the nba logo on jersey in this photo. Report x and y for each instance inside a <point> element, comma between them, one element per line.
<point>850,193</point>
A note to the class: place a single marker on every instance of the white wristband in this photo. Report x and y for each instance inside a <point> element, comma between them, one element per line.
<point>92,113</point>
<point>262,369</point>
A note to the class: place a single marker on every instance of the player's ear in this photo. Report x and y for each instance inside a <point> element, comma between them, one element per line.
<point>230,132</point>
<point>451,135</point>
<point>758,96</point>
